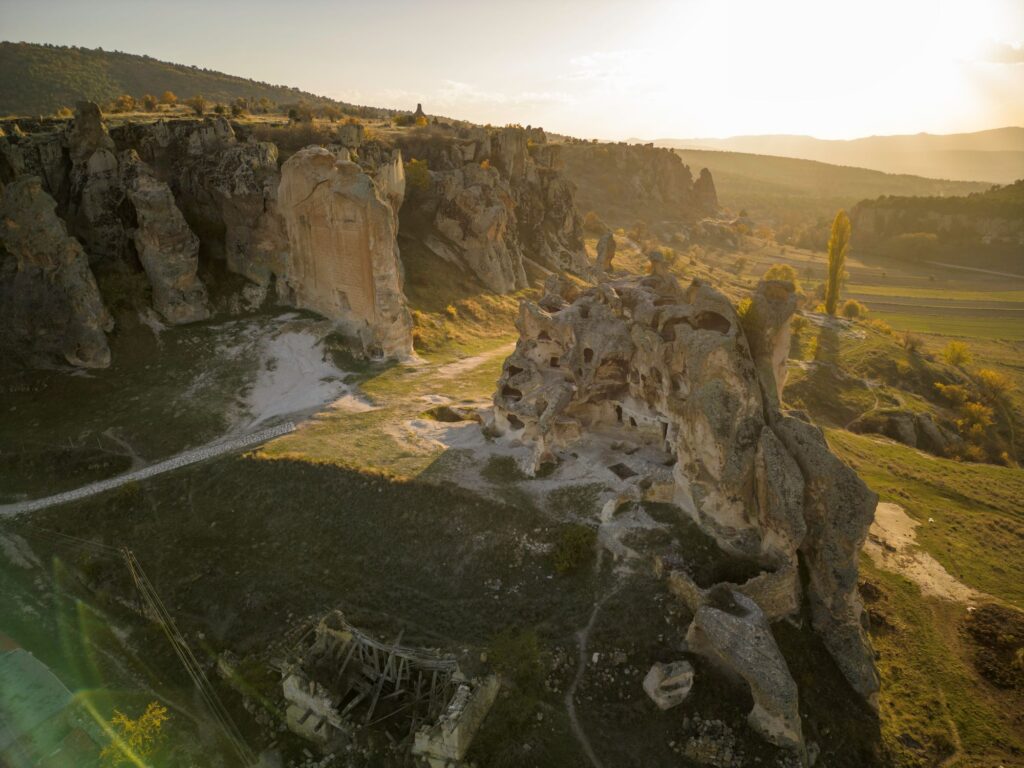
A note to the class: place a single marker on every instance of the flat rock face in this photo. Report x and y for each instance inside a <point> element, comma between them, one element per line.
<point>646,361</point>
<point>50,305</point>
<point>344,260</point>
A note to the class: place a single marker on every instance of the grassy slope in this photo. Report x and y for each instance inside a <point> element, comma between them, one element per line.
<point>39,79</point>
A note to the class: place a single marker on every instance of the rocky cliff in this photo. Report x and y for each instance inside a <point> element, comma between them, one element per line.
<point>626,183</point>
<point>673,372</point>
<point>495,202</point>
<point>344,260</point>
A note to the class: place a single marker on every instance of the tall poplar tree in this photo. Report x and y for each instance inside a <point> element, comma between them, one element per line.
<point>838,242</point>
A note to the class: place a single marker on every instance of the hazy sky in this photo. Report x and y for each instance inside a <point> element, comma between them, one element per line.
<point>598,69</point>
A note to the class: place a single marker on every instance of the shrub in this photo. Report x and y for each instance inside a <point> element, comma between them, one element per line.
<point>798,324</point>
<point>955,394</point>
<point>957,354</point>
<point>782,272</point>
<point>65,112</point>
<point>149,102</point>
<point>135,740</point>
<point>881,326</point>
<point>124,103</point>
<point>417,175</point>
<point>992,384</point>
<point>854,310</point>
<point>169,98</point>
<point>219,109</point>
<point>574,548</point>
<point>198,105</point>
<point>451,312</point>
<point>421,122</point>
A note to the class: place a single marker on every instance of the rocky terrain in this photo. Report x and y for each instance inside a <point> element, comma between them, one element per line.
<point>626,183</point>
<point>319,231</point>
<point>683,397</point>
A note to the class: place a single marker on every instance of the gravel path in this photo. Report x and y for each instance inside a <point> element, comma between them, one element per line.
<point>193,456</point>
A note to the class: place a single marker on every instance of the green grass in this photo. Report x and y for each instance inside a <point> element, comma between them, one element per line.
<point>1009,329</point>
<point>933,703</point>
<point>977,531</point>
<point>951,293</point>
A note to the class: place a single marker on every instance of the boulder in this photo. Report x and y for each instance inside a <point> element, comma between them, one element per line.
<point>668,685</point>
<point>50,305</point>
<point>732,631</point>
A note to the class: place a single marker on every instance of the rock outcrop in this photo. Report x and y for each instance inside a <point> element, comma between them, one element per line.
<point>605,253</point>
<point>732,631</point>
<point>624,183</point>
<point>344,260</point>
<point>50,306</point>
<point>645,361</point>
<point>496,202</point>
<point>167,248</point>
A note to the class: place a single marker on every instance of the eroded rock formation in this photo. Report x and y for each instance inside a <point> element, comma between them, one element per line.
<point>644,360</point>
<point>50,306</point>
<point>497,202</point>
<point>624,183</point>
<point>344,260</point>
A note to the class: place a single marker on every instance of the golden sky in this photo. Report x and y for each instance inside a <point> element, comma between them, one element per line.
<point>596,69</point>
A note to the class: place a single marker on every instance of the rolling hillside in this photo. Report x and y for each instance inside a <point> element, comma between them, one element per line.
<point>40,79</point>
<point>995,156</point>
<point>800,197</point>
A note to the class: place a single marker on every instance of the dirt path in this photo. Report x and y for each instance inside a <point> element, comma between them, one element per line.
<point>892,545</point>
<point>208,451</point>
<point>467,364</point>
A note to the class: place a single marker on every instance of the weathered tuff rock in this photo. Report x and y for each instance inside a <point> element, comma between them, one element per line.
<point>639,181</point>
<point>605,252</point>
<point>498,201</point>
<point>732,631</point>
<point>167,248</point>
<point>644,360</point>
<point>344,260</point>
<point>49,302</point>
<point>918,430</point>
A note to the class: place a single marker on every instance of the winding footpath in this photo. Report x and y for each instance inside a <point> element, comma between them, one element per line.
<point>193,456</point>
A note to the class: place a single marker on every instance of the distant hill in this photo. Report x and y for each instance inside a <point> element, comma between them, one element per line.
<point>980,231</point>
<point>798,198</point>
<point>995,156</point>
<point>40,79</point>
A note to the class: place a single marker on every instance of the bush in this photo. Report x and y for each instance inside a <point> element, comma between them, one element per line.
<point>149,102</point>
<point>993,385</point>
<point>798,324</point>
<point>881,326</point>
<point>198,105</point>
<point>417,175</point>
<point>957,354</point>
<point>782,272</point>
<point>451,312</point>
<point>574,548</point>
<point>854,310</point>
<point>169,98</point>
<point>955,394</point>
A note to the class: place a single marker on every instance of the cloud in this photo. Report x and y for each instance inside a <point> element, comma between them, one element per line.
<point>608,66</point>
<point>456,92</point>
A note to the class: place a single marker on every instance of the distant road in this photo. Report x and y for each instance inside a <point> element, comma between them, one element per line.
<point>193,456</point>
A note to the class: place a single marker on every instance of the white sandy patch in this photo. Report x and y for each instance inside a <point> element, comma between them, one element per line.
<point>892,545</point>
<point>297,376</point>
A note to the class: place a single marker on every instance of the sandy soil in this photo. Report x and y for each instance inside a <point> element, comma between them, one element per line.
<point>892,545</point>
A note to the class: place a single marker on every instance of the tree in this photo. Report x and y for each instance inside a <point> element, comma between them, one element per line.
<point>149,102</point>
<point>134,741</point>
<point>169,98</point>
<point>198,104</point>
<point>124,103</point>
<point>838,242</point>
<point>957,354</point>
